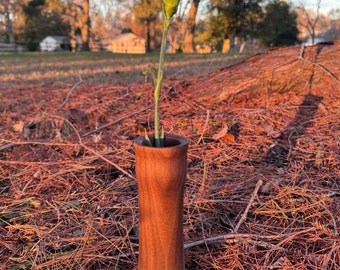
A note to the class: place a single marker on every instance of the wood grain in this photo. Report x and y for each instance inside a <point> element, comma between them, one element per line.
<point>161,174</point>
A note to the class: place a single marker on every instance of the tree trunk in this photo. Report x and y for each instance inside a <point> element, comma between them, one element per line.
<point>188,41</point>
<point>243,46</point>
<point>313,37</point>
<point>8,22</point>
<point>226,45</point>
<point>85,27</point>
<point>150,35</point>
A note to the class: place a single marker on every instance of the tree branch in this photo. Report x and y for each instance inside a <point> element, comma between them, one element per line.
<point>233,237</point>
<point>251,201</point>
<point>69,93</point>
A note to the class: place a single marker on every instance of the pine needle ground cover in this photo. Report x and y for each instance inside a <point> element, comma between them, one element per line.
<point>263,184</point>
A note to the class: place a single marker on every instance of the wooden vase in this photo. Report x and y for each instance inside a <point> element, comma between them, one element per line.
<point>161,173</point>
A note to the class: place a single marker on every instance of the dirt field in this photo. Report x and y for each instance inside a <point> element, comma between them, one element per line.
<point>263,184</point>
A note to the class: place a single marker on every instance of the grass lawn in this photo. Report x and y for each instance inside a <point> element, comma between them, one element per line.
<point>105,67</point>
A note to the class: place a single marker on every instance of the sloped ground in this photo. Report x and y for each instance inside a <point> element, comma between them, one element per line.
<point>263,185</point>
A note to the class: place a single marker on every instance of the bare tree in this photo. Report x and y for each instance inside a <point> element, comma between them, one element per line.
<point>147,11</point>
<point>309,20</point>
<point>77,14</point>
<point>178,27</point>
<point>7,7</point>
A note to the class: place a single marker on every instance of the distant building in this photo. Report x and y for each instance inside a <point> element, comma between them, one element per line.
<point>55,43</point>
<point>202,48</point>
<point>128,43</point>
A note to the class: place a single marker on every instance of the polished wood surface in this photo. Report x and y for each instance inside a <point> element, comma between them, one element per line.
<point>161,173</point>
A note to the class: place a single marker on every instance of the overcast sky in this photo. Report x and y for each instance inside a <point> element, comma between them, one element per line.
<point>326,5</point>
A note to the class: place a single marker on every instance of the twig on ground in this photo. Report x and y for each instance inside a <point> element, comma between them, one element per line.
<point>205,127</point>
<point>80,142</point>
<point>318,65</point>
<point>126,116</point>
<point>9,145</point>
<point>252,198</point>
<point>231,237</point>
<point>335,246</point>
<point>287,238</point>
<point>224,201</point>
<point>69,93</point>
<point>116,121</point>
<point>107,160</point>
<point>36,142</point>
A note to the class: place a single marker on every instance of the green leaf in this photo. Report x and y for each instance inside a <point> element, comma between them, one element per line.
<point>147,139</point>
<point>170,8</point>
<point>162,137</point>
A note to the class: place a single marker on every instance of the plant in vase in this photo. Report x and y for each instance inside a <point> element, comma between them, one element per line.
<point>161,165</point>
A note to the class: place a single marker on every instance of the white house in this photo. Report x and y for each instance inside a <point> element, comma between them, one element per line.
<point>55,43</point>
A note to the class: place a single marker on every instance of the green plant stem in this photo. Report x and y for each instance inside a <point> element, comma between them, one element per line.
<point>159,142</point>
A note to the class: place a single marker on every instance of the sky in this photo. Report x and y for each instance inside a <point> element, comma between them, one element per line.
<point>326,5</point>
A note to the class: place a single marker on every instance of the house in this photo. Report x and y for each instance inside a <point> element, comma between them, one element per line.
<point>128,43</point>
<point>203,48</point>
<point>55,43</point>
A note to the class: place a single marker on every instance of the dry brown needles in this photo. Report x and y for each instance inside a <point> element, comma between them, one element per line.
<point>267,199</point>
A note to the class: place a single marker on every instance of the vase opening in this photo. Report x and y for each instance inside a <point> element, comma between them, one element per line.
<point>170,140</point>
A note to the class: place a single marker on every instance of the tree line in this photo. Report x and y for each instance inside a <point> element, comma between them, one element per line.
<point>219,24</point>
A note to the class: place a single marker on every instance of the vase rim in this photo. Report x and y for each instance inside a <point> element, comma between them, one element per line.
<point>181,141</point>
